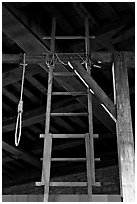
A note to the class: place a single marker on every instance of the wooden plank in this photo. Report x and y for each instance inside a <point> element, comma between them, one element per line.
<point>104,57</point>
<point>68,93</point>
<point>124,129</point>
<point>61,198</point>
<point>64,74</point>
<point>65,136</point>
<point>48,139</point>
<point>53,31</point>
<point>67,37</point>
<point>89,140</point>
<point>98,92</point>
<point>21,154</point>
<point>68,159</point>
<point>97,159</point>
<point>68,184</point>
<point>68,135</point>
<point>90,178</point>
<point>97,184</point>
<point>46,165</point>
<point>84,198</point>
<point>69,114</point>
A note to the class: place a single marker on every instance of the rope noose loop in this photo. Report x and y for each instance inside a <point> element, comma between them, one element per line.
<point>20,106</point>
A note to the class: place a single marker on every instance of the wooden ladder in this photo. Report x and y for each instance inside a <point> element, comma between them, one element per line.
<point>88,137</point>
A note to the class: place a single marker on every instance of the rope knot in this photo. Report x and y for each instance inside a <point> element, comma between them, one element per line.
<point>20,107</point>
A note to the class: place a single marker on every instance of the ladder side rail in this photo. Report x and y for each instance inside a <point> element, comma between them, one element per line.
<point>48,139</point>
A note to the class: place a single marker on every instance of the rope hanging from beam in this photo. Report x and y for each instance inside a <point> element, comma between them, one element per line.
<point>20,106</point>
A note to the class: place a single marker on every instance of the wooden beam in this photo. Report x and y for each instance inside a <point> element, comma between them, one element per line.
<point>31,47</point>
<point>24,38</point>
<point>26,93</point>
<point>15,75</point>
<point>7,107</point>
<point>68,145</point>
<point>108,10</point>
<point>104,57</point>
<point>6,159</point>
<point>37,115</point>
<point>124,130</point>
<point>10,96</point>
<point>98,92</point>
<point>50,8</point>
<point>129,33</point>
<point>18,31</point>
<point>29,118</point>
<point>64,124</point>
<point>83,12</point>
<point>21,154</point>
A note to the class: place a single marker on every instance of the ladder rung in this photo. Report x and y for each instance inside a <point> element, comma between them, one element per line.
<point>95,136</point>
<point>68,135</point>
<point>39,183</point>
<point>64,74</point>
<point>97,184</point>
<point>69,114</point>
<point>68,183</point>
<point>71,159</point>
<point>67,37</point>
<point>68,93</point>
<point>97,159</point>
<point>68,159</point>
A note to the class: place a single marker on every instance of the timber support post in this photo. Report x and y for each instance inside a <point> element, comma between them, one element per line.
<point>125,140</point>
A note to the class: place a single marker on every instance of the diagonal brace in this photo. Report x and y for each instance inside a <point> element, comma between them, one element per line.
<point>98,92</point>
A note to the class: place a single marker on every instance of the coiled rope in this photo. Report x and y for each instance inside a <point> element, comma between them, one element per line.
<point>20,105</point>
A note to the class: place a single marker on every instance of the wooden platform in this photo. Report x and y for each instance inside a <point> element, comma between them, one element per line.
<point>60,198</point>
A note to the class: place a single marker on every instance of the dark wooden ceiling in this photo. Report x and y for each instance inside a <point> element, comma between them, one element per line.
<point>23,26</point>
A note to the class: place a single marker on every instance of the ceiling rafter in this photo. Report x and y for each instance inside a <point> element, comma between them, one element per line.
<point>60,18</point>
<point>14,75</point>
<point>83,12</point>
<point>27,157</point>
<point>31,44</point>
<point>37,115</point>
<point>108,10</point>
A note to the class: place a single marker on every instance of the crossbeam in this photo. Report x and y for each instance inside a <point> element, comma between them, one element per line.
<point>65,57</point>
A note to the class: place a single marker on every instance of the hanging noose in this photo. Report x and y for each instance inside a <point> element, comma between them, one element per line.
<point>20,106</point>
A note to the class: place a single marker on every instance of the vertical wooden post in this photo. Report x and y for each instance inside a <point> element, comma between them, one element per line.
<point>48,137</point>
<point>124,129</point>
<point>91,177</point>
